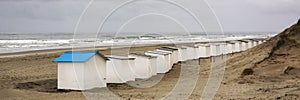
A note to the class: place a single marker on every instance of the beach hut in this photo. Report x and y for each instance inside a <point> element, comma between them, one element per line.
<point>182,53</point>
<point>171,55</point>
<point>198,51</point>
<point>249,43</point>
<point>264,40</point>
<point>236,46</point>
<point>175,51</point>
<point>119,69</point>
<point>255,43</point>
<point>214,49</point>
<point>163,64</point>
<point>244,45</point>
<point>145,65</point>
<point>218,49</point>
<point>204,50</point>
<point>81,70</point>
<point>223,49</point>
<point>192,52</point>
<point>259,42</point>
<point>229,47</point>
<point>233,44</point>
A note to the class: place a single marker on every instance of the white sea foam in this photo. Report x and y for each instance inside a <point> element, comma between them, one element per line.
<point>8,45</point>
<point>33,41</point>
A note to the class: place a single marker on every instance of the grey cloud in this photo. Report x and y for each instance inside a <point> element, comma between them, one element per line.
<point>62,15</point>
<point>256,15</point>
<point>56,10</point>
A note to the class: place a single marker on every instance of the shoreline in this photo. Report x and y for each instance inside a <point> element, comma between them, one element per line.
<point>58,50</point>
<point>83,48</point>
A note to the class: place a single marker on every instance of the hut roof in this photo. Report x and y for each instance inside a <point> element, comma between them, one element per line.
<point>243,41</point>
<point>77,56</point>
<point>206,45</point>
<point>214,44</point>
<point>167,49</point>
<point>193,46</point>
<point>173,48</point>
<point>142,55</point>
<point>161,50</point>
<point>118,57</point>
<point>231,42</point>
<point>179,47</point>
<point>158,52</point>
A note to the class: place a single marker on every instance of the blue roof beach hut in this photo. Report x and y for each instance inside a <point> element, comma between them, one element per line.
<point>81,70</point>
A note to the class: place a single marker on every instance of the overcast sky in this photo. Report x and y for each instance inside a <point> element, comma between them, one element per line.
<point>62,15</point>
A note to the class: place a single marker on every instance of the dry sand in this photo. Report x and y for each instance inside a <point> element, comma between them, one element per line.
<point>268,71</point>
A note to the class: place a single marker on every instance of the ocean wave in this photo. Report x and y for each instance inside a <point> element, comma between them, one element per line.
<point>27,44</point>
<point>33,41</point>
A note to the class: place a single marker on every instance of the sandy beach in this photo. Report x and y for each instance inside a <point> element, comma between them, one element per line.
<point>267,71</point>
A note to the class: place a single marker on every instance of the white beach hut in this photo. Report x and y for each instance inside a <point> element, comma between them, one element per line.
<point>218,49</point>
<point>239,46</point>
<point>182,51</point>
<point>250,44</point>
<point>175,52</point>
<point>163,64</point>
<point>223,48</point>
<point>192,52</point>
<point>119,69</point>
<point>259,42</point>
<point>174,57</point>
<point>214,49</point>
<point>204,50</point>
<point>171,61</point>
<point>198,51</point>
<point>255,43</point>
<point>236,46</point>
<point>145,65</point>
<point>264,40</point>
<point>81,70</point>
<point>170,56</point>
<point>229,47</point>
<point>244,45</point>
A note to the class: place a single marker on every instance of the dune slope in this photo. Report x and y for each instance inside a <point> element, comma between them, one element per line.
<point>269,70</point>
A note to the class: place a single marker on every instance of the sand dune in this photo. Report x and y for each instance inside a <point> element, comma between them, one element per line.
<point>270,70</point>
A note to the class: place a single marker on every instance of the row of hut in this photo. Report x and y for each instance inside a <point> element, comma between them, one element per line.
<point>82,70</point>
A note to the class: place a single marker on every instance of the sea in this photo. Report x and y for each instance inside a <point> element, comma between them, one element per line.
<point>21,42</point>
